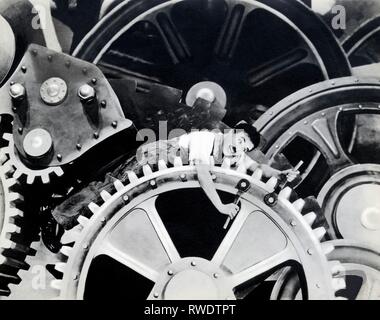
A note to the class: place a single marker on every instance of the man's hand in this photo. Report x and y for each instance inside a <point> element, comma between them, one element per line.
<point>291,174</point>
<point>230,210</point>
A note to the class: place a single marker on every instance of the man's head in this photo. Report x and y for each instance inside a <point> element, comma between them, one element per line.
<point>242,139</point>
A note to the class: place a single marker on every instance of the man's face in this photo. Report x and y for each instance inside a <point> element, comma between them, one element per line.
<point>237,143</point>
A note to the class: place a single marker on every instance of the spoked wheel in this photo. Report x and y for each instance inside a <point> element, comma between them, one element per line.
<point>247,47</point>
<point>362,46</point>
<point>362,269</point>
<point>323,126</point>
<point>151,240</point>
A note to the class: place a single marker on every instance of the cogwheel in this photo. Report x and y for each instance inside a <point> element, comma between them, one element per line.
<point>9,155</point>
<point>131,229</point>
<point>361,266</point>
<point>14,242</point>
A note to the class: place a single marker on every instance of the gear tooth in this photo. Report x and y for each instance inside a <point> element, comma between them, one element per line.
<point>14,212</point>
<point>257,174</point>
<point>45,178</point>
<point>17,174</point>
<point>132,177</point>
<point>272,183</point>
<point>5,292</point>
<point>105,195</point>
<point>285,193</point>
<point>93,207</point>
<point>10,278</point>
<point>60,266</point>
<point>58,171</point>
<point>7,169</point>
<point>3,156</point>
<point>299,204</point>
<point>66,250</point>
<point>178,162</point>
<point>162,164</point>
<point>72,235</point>
<point>319,233</point>
<point>29,179</point>
<point>337,269</point>
<point>338,284</point>
<point>327,248</point>
<point>310,218</point>
<point>83,221</point>
<point>8,137</point>
<point>147,170</point>
<point>118,185</point>
<point>11,228</point>
<point>56,284</point>
<point>226,164</point>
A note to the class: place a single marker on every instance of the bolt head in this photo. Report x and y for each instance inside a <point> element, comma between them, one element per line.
<point>17,91</point>
<point>170,272</point>
<point>86,92</point>
<point>37,143</point>
<point>193,264</point>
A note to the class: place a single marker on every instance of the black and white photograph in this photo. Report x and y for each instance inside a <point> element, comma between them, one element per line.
<point>203,151</point>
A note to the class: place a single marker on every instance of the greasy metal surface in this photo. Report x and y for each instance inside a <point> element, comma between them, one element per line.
<point>70,123</point>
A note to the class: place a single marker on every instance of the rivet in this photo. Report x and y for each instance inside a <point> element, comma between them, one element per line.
<point>360,106</point>
<point>153,183</point>
<point>24,69</point>
<point>85,246</point>
<point>155,295</point>
<point>213,176</point>
<point>310,252</point>
<point>103,103</point>
<point>183,176</point>
<point>170,273</point>
<point>114,124</point>
<point>323,114</point>
<point>20,130</point>
<point>193,264</point>
<point>68,64</point>
<point>293,223</point>
<point>96,135</point>
<point>94,80</point>
<point>340,109</point>
<point>318,285</point>
<point>79,146</point>
<point>59,157</point>
<point>277,146</point>
<point>103,220</point>
<point>305,122</point>
<point>216,276</point>
<point>34,51</point>
<point>84,70</point>
<point>333,83</point>
<point>50,58</point>
<point>75,277</point>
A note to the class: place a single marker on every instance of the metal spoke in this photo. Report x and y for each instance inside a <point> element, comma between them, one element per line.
<point>323,133</point>
<point>119,255</point>
<point>173,40</point>
<point>231,235</point>
<point>149,207</point>
<point>280,65</point>
<point>263,267</point>
<point>229,36</point>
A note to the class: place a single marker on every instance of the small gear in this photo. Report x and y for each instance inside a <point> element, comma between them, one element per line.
<point>14,242</point>
<point>9,155</point>
<point>361,266</point>
<point>127,227</point>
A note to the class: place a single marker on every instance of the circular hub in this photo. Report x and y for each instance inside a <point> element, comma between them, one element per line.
<point>190,285</point>
<point>206,90</point>
<point>351,201</point>
<point>53,91</point>
<point>37,143</point>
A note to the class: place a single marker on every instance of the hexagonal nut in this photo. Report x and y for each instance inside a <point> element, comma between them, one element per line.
<point>86,93</point>
<point>17,91</point>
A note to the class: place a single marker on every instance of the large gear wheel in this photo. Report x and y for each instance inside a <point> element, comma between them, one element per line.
<point>153,41</point>
<point>20,170</point>
<point>328,127</point>
<point>133,230</point>
<point>14,242</point>
<point>362,269</point>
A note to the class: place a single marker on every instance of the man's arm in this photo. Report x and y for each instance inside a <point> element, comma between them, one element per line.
<point>269,172</point>
<point>205,180</point>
